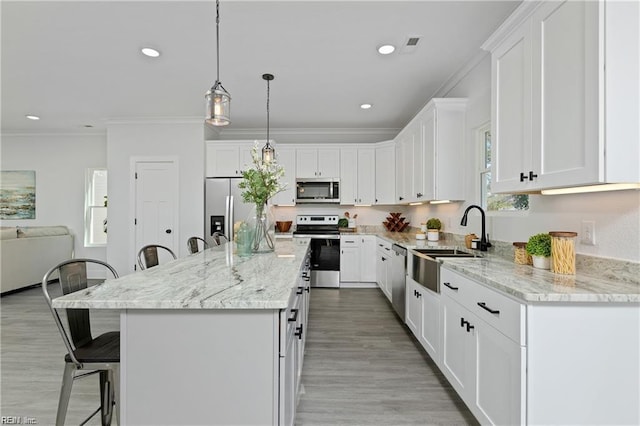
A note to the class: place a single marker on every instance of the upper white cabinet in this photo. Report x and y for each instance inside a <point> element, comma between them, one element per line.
<point>556,110</point>
<point>318,162</point>
<point>428,152</point>
<point>357,175</point>
<point>227,158</point>
<point>385,173</point>
<point>286,158</point>
<point>442,128</point>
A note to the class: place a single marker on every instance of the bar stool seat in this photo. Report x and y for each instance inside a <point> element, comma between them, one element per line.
<point>104,348</point>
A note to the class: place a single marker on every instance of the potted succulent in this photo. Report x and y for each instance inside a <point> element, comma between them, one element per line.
<point>539,247</point>
<point>433,229</point>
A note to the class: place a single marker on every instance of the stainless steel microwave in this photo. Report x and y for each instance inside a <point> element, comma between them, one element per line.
<point>321,190</point>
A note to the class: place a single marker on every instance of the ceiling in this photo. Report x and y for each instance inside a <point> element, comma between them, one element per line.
<point>78,63</point>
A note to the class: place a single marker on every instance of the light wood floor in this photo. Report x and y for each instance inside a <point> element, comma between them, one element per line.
<point>362,366</point>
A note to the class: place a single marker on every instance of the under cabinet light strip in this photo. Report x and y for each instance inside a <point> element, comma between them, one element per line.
<point>591,188</point>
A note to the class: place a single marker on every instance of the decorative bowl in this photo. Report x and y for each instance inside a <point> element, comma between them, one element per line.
<point>283,226</point>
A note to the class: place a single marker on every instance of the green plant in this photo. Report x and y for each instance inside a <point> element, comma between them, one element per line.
<point>434,223</point>
<point>262,181</point>
<point>539,245</point>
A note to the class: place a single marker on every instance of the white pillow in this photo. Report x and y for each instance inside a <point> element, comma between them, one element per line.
<point>8,233</point>
<point>41,231</point>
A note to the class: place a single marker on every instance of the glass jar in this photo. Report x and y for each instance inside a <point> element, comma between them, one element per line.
<point>244,240</point>
<point>264,229</point>
<point>520,255</point>
<point>563,252</point>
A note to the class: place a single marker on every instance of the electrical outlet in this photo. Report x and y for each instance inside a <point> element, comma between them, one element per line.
<point>588,233</point>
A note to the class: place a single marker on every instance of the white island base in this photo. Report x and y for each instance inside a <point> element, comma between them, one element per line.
<point>199,367</point>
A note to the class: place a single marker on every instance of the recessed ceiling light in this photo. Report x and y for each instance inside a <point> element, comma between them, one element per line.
<point>385,49</point>
<point>148,51</point>
<point>366,106</point>
<point>32,117</point>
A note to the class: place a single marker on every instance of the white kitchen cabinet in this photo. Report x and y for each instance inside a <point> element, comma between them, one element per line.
<point>428,153</point>
<point>358,258</point>
<point>227,158</point>
<point>318,162</point>
<point>400,173</point>
<point>413,306</point>
<point>287,158</point>
<point>482,355</point>
<point>357,175</point>
<point>442,131</point>
<point>383,266</point>
<point>349,259</point>
<point>368,258</point>
<point>385,173</point>
<point>556,110</point>
<point>423,317</point>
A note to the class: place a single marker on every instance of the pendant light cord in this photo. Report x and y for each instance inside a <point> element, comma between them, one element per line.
<point>268,112</point>
<point>217,41</point>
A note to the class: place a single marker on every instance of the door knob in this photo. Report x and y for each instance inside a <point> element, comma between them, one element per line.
<point>168,231</point>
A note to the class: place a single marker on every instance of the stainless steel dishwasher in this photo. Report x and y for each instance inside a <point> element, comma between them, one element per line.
<point>398,279</point>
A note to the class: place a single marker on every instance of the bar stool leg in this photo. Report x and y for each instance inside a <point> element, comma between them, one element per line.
<point>116,390</point>
<point>65,392</point>
<point>106,397</point>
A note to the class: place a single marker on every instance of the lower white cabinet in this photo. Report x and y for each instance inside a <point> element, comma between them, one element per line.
<point>358,258</point>
<point>539,363</point>
<point>383,266</point>
<point>422,316</point>
<point>482,364</point>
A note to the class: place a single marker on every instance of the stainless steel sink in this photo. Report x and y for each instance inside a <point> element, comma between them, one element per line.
<point>425,269</point>
<point>446,253</point>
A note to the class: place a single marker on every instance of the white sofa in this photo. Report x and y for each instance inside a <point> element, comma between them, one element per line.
<point>27,253</point>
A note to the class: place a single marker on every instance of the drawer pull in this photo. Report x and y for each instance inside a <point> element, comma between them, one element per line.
<point>299,291</point>
<point>488,309</point>
<point>298,332</point>
<point>469,327</point>
<point>463,322</point>
<point>294,318</point>
<point>451,287</point>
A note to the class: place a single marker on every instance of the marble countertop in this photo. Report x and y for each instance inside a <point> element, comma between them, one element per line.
<point>215,278</point>
<point>524,282</point>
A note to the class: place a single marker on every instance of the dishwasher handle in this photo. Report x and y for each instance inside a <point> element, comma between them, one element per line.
<point>399,250</point>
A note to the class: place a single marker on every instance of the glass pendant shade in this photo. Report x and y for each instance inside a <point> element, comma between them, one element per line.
<point>218,106</point>
<point>268,153</point>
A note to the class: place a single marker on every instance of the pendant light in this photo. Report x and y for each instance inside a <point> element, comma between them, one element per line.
<point>268,152</point>
<point>218,99</point>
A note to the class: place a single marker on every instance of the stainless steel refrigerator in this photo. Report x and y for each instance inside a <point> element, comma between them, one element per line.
<point>223,207</point>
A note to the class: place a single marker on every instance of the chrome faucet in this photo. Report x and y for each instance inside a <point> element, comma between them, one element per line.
<point>484,241</point>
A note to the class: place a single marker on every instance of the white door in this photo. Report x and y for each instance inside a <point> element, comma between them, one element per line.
<point>156,214</point>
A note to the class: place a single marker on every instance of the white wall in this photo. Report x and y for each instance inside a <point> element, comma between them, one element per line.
<point>617,214</point>
<point>177,139</point>
<point>60,163</point>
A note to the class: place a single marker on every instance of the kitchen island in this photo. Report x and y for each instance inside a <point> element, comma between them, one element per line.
<point>212,338</point>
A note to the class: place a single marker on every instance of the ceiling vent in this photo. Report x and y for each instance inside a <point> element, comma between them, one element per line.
<point>410,44</point>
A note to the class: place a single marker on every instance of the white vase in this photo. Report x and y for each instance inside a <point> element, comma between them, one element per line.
<point>433,234</point>
<point>541,262</point>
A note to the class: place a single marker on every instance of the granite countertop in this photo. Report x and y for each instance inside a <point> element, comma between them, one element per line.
<point>524,282</point>
<point>215,278</point>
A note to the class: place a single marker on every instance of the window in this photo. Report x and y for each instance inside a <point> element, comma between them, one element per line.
<point>95,222</point>
<point>495,202</point>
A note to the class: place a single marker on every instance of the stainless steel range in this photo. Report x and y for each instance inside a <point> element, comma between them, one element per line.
<point>323,232</point>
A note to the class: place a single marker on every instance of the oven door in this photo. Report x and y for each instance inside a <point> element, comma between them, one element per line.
<point>325,262</point>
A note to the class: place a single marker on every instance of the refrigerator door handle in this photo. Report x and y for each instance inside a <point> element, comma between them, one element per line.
<point>230,219</point>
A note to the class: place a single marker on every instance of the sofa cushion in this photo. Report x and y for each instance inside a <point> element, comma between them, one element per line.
<point>41,231</point>
<point>8,232</point>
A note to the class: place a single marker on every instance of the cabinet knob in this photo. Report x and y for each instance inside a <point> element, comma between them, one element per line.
<point>523,177</point>
<point>419,194</point>
<point>469,327</point>
<point>400,198</point>
<point>463,322</point>
<point>532,176</point>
